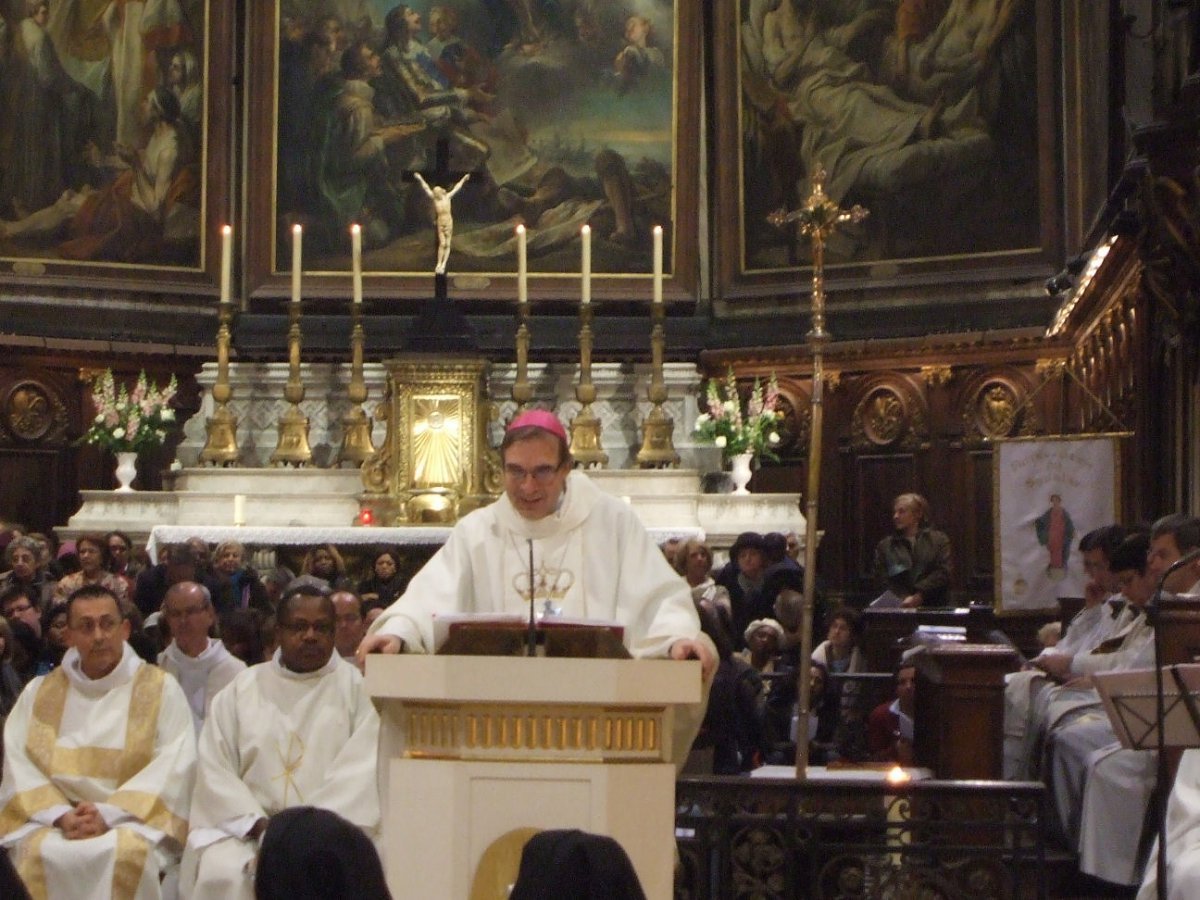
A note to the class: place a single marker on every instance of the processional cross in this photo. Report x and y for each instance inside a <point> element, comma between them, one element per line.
<point>817,220</point>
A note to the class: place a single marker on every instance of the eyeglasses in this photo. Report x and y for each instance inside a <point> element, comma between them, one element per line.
<point>540,474</point>
<point>187,612</point>
<point>301,628</point>
<point>106,625</point>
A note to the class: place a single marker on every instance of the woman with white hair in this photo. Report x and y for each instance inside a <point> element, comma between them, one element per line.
<point>914,561</point>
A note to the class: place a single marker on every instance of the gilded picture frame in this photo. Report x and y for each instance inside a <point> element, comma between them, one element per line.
<point>553,128</point>
<point>115,144</point>
<point>953,152</point>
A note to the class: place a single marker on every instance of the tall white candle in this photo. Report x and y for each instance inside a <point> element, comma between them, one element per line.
<point>658,264</point>
<point>356,257</point>
<point>522,267</point>
<point>226,261</point>
<point>239,509</point>
<point>586,263</point>
<point>297,237</point>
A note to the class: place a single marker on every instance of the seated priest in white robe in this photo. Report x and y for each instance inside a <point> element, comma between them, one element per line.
<point>99,760</point>
<point>1088,628</point>
<point>1183,837</point>
<point>589,553</point>
<point>200,664</point>
<point>299,730</point>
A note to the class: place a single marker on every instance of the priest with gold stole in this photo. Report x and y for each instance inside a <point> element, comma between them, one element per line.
<point>99,759</point>
<point>299,730</point>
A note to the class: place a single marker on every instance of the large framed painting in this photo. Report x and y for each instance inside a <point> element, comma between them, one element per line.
<point>560,114</point>
<point>1047,494</point>
<point>935,115</point>
<point>114,142</point>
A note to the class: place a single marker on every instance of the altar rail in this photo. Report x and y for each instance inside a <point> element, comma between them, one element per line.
<point>764,838</point>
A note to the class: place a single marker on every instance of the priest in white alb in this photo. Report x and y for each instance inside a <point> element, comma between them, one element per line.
<point>585,552</point>
<point>99,759</point>
<point>299,730</point>
<point>200,664</point>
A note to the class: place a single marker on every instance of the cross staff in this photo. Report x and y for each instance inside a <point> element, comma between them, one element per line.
<point>817,220</point>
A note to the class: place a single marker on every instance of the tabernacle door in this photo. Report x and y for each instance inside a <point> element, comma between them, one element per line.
<point>480,752</point>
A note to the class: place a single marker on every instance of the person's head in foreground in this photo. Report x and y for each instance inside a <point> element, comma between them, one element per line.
<point>537,459</point>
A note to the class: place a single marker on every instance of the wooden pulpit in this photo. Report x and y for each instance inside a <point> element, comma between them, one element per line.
<point>478,753</point>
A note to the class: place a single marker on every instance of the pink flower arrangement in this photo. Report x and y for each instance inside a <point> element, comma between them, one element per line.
<point>726,425</point>
<point>130,421</point>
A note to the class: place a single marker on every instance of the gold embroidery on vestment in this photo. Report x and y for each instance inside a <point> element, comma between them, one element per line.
<point>21,808</point>
<point>30,866</point>
<point>129,863</point>
<point>151,809</point>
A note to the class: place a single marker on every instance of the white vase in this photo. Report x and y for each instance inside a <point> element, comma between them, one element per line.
<point>741,472</point>
<point>126,470</point>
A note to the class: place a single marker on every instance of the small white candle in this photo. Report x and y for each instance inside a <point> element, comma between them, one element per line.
<point>239,509</point>
<point>586,264</point>
<point>658,264</point>
<point>226,261</point>
<point>522,267</point>
<point>356,257</point>
<point>297,237</point>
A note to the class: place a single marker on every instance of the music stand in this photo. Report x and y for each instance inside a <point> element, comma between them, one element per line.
<point>1131,700</point>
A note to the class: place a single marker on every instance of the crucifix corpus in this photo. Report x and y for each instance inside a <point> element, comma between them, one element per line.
<point>817,220</point>
<point>441,197</point>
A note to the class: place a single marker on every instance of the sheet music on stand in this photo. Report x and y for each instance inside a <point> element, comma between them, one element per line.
<point>887,600</point>
<point>1130,700</point>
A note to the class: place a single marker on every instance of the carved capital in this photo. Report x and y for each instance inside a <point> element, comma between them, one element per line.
<point>937,376</point>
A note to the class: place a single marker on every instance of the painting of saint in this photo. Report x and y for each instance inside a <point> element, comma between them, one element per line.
<point>924,111</point>
<point>1055,531</point>
<point>101,131</point>
<point>562,114</point>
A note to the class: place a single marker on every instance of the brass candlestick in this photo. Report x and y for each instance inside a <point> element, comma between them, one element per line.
<point>658,445</point>
<point>220,444</point>
<point>522,390</point>
<point>817,220</point>
<point>585,427</point>
<point>357,446</point>
<point>293,449</point>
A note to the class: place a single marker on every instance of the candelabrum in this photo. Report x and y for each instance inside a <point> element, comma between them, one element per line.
<point>292,448</point>
<point>658,445</point>
<point>819,218</point>
<point>357,446</point>
<point>585,427</point>
<point>522,390</point>
<point>220,445</point>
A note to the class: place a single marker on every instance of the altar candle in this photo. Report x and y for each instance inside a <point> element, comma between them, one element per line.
<point>356,257</point>
<point>586,264</point>
<point>239,509</point>
<point>658,264</point>
<point>226,261</point>
<point>522,267</point>
<point>297,236</point>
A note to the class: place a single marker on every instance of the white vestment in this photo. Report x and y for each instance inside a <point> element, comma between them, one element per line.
<point>274,739</point>
<point>201,677</point>
<point>1183,837</point>
<point>123,742</point>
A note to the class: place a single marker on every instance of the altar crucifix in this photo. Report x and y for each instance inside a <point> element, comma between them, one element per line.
<point>817,220</point>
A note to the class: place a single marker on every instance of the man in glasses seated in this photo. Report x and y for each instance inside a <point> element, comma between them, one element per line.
<point>299,730</point>
<point>99,759</point>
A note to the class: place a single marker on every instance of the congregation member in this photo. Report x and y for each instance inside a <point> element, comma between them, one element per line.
<point>238,585</point>
<point>744,577</point>
<point>121,561</point>
<point>351,627</point>
<point>1087,629</point>
<point>914,561</point>
<point>839,652</point>
<point>890,724</point>
<point>178,563</point>
<point>92,551</point>
<point>762,638</point>
<point>386,582</point>
<point>99,761</point>
<point>55,639</point>
<point>10,681</point>
<point>16,605</point>
<point>694,561</point>
<point>22,555</point>
<point>325,564</point>
<point>200,663</point>
<point>299,730</point>
<point>592,557</point>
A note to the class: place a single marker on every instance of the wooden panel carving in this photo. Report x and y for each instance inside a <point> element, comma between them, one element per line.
<point>33,412</point>
<point>995,405</point>
<point>890,414</point>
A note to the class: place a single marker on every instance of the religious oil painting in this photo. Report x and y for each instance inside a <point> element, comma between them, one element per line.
<point>107,150</point>
<point>1049,493</point>
<point>930,113</point>
<point>560,115</point>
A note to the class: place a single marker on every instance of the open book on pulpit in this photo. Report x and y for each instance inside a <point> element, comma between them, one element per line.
<point>506,634</point>
<point>1130,699</point>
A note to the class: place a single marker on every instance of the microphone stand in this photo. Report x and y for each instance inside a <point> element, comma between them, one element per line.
<point>531,635</point>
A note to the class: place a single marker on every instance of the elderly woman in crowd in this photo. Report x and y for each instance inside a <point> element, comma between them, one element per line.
<point>22,557</point>
<point>839,652</point>
<point>386,581</point>
<point>694,561</point>
<point>92,550</point>
<point>239,586</point>
<point>325,563</point>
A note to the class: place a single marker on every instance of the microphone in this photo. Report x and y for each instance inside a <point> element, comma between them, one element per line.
<point>531,635</point>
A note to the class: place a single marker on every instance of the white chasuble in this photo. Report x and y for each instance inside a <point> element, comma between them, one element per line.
<point>201,677</point>
<point>275,739</point>
<point>123,742</point>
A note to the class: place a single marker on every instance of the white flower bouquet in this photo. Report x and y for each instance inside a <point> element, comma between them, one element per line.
<point>130,421</point>
<point>725,424</point>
